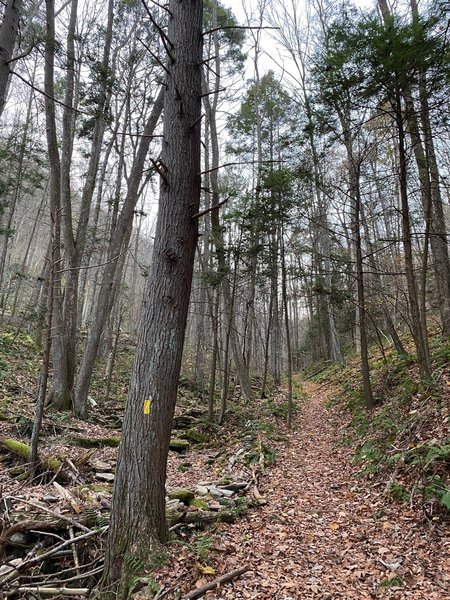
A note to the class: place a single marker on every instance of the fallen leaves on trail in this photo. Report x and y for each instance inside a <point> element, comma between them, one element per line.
<point>324,533</point>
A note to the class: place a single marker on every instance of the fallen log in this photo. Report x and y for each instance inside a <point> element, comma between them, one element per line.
<point>201,591</point>
<point>23,451</point>
<point>27,563</point>
<point>26,526</point>
<point>48,591</point>
<point>111,441</point>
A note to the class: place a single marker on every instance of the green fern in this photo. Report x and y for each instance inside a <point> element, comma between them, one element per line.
<point>134,563</point>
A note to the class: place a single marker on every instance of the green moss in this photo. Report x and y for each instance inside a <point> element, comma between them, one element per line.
<point>194,435</point>
<point>199,503</point>
<point>178,445</point>
<point>185,496</point>
<point>16,471</point>
<point>183,467</point>
<point>23,451</point>
<point>396,581</point>
<point>111,442</point>
<point>227,516</point>
<point>53,463</point>
<point>16,447</point>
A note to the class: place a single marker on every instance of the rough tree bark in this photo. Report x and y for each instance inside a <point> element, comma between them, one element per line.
<point>138,522</point>
<point>8,34</point>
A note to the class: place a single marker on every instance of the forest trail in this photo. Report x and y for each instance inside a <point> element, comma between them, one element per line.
<point>327,534</point>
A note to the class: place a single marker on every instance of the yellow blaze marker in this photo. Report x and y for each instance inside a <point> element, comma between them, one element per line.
<point>147,407</point>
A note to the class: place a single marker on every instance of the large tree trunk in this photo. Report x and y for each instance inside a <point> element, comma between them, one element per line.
<point>8,34</point>
<point>138,522</point>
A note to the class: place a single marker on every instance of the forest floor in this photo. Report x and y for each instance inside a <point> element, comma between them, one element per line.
<point>346,504</point>
<point>324,532</point>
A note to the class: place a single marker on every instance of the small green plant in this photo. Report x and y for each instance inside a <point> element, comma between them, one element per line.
<point>159,559</point>
<point>3,368</point>
<point>398,492</point>
<point>278,437</point>
<point>151,584</point>
<point>6,342</point>
<point>436,487</point>
<point>240,506</point>
<point>396,581</point>
<point>134,563</point>
<point>201,546</point>
<point>270,454</point>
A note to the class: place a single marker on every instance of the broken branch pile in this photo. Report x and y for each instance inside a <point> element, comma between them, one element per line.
<point>47,552</point>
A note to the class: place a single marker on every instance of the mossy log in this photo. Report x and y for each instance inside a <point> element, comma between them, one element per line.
<point>23,451</point>
<point>111,441</point>
<point>178,445</point>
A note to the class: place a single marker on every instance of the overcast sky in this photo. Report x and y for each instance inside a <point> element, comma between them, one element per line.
<point>272,57</point>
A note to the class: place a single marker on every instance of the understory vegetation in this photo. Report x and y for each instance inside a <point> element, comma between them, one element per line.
<point>404,443</point>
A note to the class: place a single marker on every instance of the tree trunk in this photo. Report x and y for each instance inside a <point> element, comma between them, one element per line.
<point>217,236</point>
<point>8,34</point>
<point>103,304</point>
<point>138,521</point>
<point>61,391</point>
<point>288,331</point>
<point>356,230</point>
<point>419,332</point>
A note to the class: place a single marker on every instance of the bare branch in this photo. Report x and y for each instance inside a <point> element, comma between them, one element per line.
<point>210,209</point>
<point>245,162</point>
<point>235,27</point>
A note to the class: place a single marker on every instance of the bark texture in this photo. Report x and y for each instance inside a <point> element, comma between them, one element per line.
<point>8,34</point>
<point>138,523</point>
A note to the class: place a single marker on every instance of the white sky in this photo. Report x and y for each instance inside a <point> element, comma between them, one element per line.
<point>269,46</point>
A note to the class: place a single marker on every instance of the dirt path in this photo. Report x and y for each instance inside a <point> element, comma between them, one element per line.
<point>326,534</point>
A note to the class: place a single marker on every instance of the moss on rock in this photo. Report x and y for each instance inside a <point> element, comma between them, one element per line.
<point>194,435</point>
<point>185,496</point>
<point>178,445</point>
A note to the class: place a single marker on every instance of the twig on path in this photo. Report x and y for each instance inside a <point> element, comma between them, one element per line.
<point>201,591</point>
